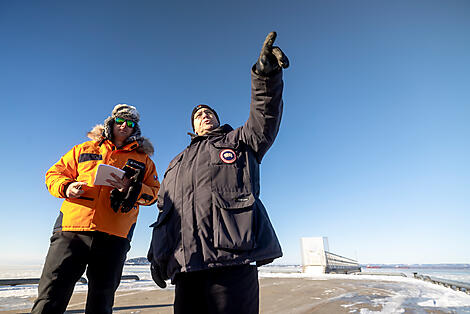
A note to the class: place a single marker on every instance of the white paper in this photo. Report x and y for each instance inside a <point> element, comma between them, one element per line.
<point>103,173</point>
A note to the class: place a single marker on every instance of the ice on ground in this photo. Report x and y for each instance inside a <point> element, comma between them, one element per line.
<point>407,291</point>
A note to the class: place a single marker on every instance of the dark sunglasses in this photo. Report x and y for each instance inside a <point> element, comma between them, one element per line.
<point>120,121</point>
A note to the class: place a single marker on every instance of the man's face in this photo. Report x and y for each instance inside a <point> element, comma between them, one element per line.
<point>121,130</point>
<point>204,121</point>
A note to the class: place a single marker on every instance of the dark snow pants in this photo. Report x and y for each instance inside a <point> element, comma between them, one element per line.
<point>70,252</point>
<point>226,290</point>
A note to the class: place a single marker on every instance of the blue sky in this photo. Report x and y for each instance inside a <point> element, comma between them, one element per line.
<point>373,150</point>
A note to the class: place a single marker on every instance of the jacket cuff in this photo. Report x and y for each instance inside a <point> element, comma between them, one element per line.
<point>272,74</point>
<point>64,188</point>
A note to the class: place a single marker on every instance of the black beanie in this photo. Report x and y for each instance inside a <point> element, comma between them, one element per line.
<point>199,107</point>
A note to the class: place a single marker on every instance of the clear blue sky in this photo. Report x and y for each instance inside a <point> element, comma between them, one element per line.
<point>373,150</point>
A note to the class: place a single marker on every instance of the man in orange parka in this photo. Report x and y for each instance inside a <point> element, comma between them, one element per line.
<point>96,223</point>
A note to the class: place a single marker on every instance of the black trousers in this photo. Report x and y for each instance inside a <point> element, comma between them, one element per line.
<point>226,290</point>
<point>70,252</point>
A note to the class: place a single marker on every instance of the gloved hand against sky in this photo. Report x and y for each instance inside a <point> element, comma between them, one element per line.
<point>271,58</point>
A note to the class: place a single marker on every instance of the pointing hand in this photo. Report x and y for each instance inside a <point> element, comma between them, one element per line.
<point>271,58</point>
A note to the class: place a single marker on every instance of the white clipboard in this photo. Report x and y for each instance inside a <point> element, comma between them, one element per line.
<point>103,173</point>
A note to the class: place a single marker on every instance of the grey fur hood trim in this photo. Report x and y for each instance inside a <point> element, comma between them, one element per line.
<point>145,146</point>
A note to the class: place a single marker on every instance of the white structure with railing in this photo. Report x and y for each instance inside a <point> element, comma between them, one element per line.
<point>317,259</point>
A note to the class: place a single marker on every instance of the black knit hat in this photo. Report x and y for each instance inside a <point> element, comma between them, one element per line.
<point>199,107</point>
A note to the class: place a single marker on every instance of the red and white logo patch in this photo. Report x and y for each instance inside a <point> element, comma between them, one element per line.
<point>228,156</point>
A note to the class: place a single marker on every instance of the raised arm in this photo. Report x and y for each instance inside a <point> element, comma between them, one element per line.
<point>262,126</point>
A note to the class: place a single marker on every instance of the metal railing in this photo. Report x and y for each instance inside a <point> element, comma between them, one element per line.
<point>456,285</point>
<point>32,281</point>
<point>28,281</point>
<point>339,264</point>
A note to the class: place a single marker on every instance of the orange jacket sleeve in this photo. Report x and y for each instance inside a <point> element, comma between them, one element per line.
<point>150,185</point>
<point>62,173</point>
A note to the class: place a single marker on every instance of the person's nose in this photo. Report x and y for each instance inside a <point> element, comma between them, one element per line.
<point>123,125</point>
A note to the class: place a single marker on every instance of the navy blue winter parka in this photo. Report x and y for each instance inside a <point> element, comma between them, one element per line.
<point>210,214</point>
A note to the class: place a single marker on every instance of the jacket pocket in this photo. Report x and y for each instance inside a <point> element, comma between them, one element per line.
<point>87,199</point>
<point>225,153</point>
<point>234,221</point>
<point>228,168</point>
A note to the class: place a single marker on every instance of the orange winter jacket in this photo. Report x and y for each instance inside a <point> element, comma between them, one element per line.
<point>92,210</point>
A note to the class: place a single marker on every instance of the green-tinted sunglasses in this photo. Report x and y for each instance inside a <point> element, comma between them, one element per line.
<point>120,121</point>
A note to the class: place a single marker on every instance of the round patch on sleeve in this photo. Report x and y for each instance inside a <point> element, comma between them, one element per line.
<point>228,156</point>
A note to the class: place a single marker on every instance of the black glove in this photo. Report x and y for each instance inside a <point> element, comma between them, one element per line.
<point>116,199</point>
<point>271,59</point>
<point>157,275</point>
<point>134,190</point>
<point>125,201</point>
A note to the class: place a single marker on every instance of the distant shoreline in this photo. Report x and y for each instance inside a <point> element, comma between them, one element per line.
<point>141,261</point>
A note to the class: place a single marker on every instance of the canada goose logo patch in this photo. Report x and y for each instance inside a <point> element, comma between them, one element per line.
<point>228,156</point>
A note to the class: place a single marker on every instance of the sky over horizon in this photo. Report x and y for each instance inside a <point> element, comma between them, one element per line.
<point>372,150</point>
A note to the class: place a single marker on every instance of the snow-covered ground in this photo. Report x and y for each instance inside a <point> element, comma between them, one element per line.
<point>407,290</point>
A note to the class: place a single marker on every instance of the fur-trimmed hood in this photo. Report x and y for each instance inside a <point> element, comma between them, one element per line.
<point>97,133</point>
